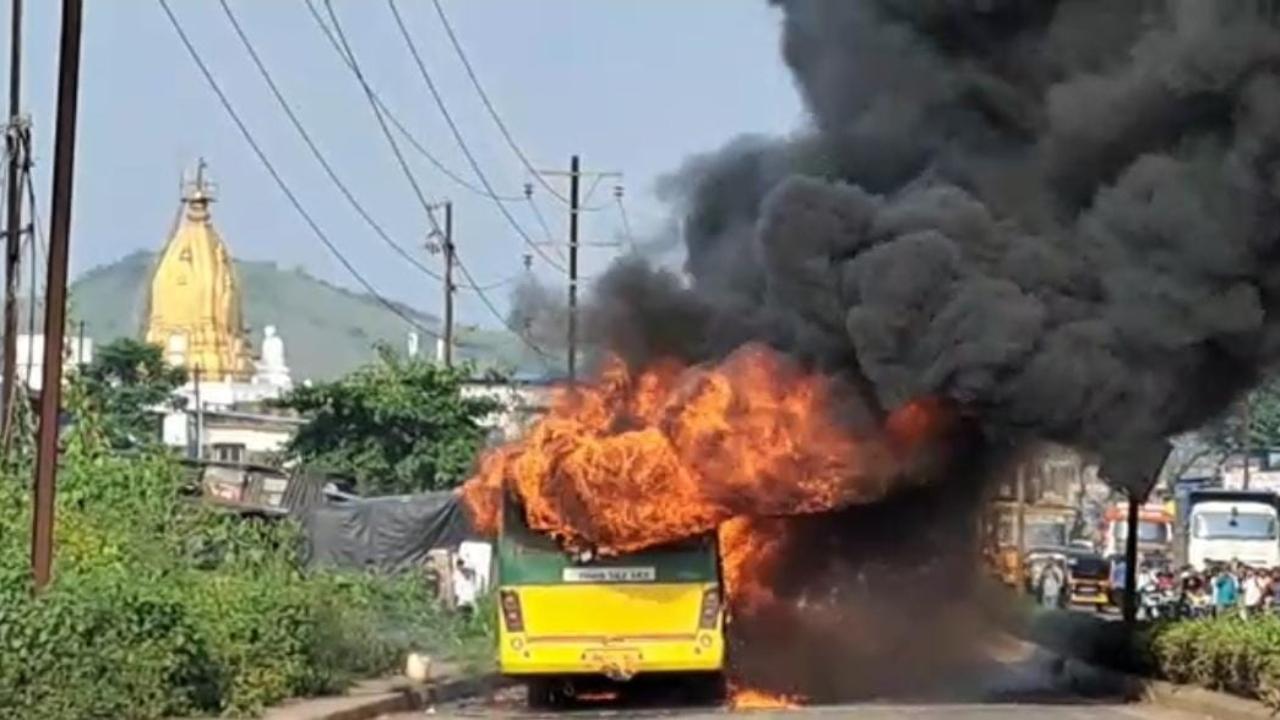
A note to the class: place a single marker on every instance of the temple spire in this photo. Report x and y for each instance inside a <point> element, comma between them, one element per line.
<point>195,295</point>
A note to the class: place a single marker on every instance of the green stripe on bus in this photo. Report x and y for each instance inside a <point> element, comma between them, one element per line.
<point>525,566</point>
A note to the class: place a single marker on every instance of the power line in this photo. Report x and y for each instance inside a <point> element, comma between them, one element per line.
<point>408,173</point>
<point>484,98</point>
<point>622,213</point>
<point>457,134</point>
<point>542,221</point>
<point>382,123</point>
<point>400,126</point>
<point>315,150</point>
<point>543,354</point>
<point>493,285</point>
<point>275,175</point>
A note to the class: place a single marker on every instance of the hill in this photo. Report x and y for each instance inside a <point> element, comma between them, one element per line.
<point>328,330</point>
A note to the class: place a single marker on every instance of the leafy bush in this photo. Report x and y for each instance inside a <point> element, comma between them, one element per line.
<point>1229,654</point>
<point>163,608</point>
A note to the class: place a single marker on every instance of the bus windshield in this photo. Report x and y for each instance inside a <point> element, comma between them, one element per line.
<point>529,557</point>
<point>1046,534</point>
<point>1149,531</point>
<point>1233,526</point>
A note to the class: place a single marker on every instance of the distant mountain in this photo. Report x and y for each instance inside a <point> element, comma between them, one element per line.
<point>327,330</point>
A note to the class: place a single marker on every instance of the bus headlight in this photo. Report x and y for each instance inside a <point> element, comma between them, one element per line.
<point>710,611</point>
<point>511,615</point>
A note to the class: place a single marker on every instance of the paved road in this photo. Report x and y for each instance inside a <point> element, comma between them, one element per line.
<point>1018,681</point>
<point>870,712</point>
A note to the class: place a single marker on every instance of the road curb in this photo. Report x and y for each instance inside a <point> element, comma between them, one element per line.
<point>404,698</point>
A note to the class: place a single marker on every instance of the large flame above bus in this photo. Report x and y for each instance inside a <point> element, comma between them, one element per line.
<point>643,457</point>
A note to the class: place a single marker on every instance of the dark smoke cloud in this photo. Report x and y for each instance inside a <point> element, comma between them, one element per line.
<point>1062,215</point>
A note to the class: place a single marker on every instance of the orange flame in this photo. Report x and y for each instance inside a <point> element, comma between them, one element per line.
<point>750,551</point>
<point>742,698</point>
<point>638,459</point>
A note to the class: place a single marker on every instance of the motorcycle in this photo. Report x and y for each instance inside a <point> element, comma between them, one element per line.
<point>1156,603</point>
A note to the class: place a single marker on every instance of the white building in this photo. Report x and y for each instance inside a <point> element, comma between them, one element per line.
<point>30,357</point>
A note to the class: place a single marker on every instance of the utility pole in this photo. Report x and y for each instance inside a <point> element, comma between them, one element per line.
<point>575,210</point>
<point>444,246</point>
<point>195,381</point>
<point>17,149</point>
<point>1131,561</point>
<point>575,178</point>
<point>1020,527</point>
<point>1246,436</point>
<point>55,312</point>
<point>448,284</point>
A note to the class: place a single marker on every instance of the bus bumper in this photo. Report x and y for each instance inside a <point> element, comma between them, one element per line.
<point>619,658</point>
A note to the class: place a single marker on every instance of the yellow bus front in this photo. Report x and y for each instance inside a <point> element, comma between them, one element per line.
<point>658,611</point>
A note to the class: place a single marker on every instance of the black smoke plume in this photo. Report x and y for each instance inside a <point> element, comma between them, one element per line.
<point>1062,215</point>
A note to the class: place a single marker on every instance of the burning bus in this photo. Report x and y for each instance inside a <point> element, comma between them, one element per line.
<point>566,621</point>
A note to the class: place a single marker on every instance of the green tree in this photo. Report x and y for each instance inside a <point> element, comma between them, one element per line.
<point>127,383</point>
<point>1222,438</point>
<point>396,425</point>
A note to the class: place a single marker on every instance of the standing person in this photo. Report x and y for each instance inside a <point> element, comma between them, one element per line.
<point>1252,592</point>
<point>1225,590</point>
<point>1117,581</point>
<point>1052,582</point>
<point>464,587</point>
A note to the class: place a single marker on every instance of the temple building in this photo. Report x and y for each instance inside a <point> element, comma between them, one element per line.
<point>194,313</point>
<point>193,310</point>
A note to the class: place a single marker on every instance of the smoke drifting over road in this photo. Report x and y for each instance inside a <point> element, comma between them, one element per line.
<point>1062,215</point>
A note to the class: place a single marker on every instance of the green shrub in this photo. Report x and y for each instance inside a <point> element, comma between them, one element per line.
<point>162,608</point>
<point>1228,654</point>
<point>100,645</point>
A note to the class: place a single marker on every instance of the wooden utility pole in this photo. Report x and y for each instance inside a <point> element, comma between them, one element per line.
<point>17,148</point>
<point>55,312</point>
<point>575,179</point>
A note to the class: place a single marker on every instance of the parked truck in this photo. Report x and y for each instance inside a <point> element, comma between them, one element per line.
<point>1228,526</point>
<point>1155,531</point>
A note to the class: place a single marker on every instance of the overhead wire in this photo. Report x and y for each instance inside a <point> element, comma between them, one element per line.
<point>279,180</point>
<point>626,221</point>
<point>488,103</point>
<point>315,150</point>
<point>457,135</point>
<point>546,229</point>
<point>495,284</point>
<point>400,126</point>
<point>408,173</point>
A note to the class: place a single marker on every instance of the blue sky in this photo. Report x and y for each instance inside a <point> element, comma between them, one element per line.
<point>632,85</point>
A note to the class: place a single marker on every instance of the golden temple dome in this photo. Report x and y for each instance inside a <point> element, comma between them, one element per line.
<point>193,308</point>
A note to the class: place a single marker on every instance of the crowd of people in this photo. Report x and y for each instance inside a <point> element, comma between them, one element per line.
<point>1218,590</point>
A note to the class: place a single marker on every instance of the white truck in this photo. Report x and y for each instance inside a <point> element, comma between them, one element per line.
<point>1227,526</point>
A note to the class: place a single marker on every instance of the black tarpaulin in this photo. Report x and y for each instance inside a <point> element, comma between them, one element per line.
<point>386,534</point>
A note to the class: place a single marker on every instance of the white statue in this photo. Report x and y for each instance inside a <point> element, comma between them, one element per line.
<point>272,369</point>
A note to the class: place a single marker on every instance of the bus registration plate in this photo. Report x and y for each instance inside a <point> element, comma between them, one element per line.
<point>609,574</point>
